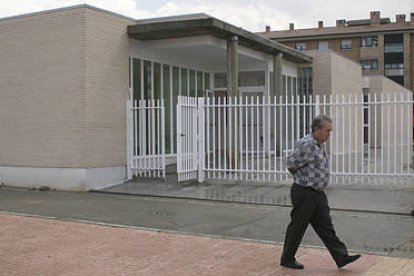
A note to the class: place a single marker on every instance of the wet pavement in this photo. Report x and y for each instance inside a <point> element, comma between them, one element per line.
<point>357,197</point>
<point>368,232</point>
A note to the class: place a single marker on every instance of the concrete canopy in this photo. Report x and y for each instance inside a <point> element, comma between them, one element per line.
<point>203,24</point>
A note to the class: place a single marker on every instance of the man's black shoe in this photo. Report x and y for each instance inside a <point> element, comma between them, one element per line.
<point>293,265</point>
<point>347,260</point>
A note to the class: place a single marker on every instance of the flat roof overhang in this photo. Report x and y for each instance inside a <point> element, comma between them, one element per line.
<point>202,24</point>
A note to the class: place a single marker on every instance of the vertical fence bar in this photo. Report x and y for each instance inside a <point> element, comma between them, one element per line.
<point>395,106</point>
<point>136,145</point>
<point>362,139</point>
<point>349,132</point>
<point>369,134</point>
<point>388,135</point>
<point>376,134</point>
<point>280,137</point>
<point>219,134</point>
<point>409,132</point>
<point>292,119</point>
<point>336,135</point>
<point>163,138</point>
<point>229,138</point>
<point>382,133</point>
<point>286,124</point>
<point>147,137</point>
<point>257,137</point>
<point>246,136</point>
<point>241,135</point>
<point>297,107</point>
<point>225,136</point>
<point>311,111</point>
<point>236,136</point>
<point>215,100</point>
<point>402,134</point>
<point>158,150</point>
<point>330,141</point>
<point>343,134</point>
<point>252,136</point>
<point>200,138</point>
<point>142,134</point>
<point>274,137</point>
<point>208,112</point>
<point>265,131</point>
<point>356,113</point>
<point>154,138</point>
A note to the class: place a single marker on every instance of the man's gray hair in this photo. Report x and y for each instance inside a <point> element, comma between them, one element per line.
<point>319,121</point>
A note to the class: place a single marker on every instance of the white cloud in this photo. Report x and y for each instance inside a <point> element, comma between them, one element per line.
<point>252,15</point>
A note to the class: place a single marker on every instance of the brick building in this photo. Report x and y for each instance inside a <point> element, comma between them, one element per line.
<point>378,44</point>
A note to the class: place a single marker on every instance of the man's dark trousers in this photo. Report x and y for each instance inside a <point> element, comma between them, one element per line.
<point>310,206</point>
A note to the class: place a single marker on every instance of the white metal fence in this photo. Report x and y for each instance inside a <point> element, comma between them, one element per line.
<point>146,138</point>
<point>248,138</point>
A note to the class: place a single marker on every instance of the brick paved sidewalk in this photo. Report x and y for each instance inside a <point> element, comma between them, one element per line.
<point>37,246</point>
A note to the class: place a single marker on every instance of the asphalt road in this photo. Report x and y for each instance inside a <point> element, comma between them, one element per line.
<point>366,232</point>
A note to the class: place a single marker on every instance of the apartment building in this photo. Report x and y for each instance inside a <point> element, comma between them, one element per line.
<point>378,44</point>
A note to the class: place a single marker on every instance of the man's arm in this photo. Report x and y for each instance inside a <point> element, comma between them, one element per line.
<point>301,156</point>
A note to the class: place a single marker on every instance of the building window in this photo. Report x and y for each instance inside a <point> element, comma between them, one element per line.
<point>323,45</point>
<point>393,48</point>
<point>394,69</point>
<point>346,44</point>
<point>301,46</point>
<point>369,64</point>
<point>394,66</point>
<point>369,41</point>
<point>154,81</point>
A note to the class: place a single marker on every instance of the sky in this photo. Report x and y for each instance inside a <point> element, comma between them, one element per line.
<point>252,15</point>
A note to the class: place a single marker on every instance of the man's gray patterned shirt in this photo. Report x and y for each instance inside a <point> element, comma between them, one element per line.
<point>309,160</point>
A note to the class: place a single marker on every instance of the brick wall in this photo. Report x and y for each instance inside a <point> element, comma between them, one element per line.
<point>63,86</point>
<point>107,73</point>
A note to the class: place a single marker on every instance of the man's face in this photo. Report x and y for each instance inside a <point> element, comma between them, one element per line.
<point>322,134</point>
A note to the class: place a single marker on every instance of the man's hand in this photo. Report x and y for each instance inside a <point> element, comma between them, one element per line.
<point>292,171</point>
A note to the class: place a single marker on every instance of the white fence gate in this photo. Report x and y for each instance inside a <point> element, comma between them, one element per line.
<point>248,138</point>
<point>187,138</point>
<point>146,138</point>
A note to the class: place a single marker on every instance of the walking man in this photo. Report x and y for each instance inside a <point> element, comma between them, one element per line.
<point>309,165</point>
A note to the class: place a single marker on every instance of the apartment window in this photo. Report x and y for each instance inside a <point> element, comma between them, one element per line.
<point>323,45</point>
<point>393,43</point>
<point>394,48</point>
<point>301,46</point>
<point>369,41</point>
<point>369,64</point>
<point>346,44</point>
<point>394,66</point>
<point>394,69</point>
